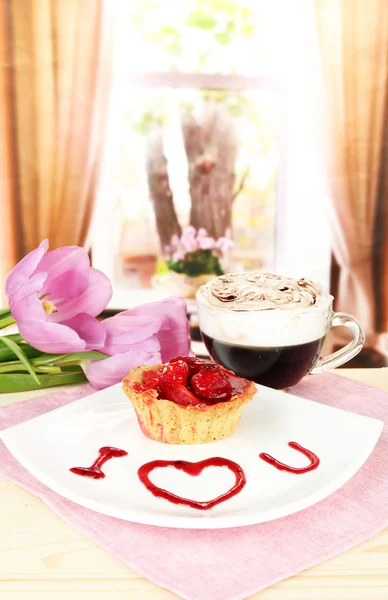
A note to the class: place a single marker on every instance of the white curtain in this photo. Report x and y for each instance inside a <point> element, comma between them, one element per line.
<point>303,232</point>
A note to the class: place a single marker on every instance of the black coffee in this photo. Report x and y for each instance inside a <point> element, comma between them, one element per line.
<point>278,368</point>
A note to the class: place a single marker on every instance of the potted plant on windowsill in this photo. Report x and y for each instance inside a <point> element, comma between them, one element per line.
<point>195,258</point>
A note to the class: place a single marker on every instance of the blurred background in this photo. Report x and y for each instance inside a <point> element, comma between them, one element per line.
<point>124,122</point>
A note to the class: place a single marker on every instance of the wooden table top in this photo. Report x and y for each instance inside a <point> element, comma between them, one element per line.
<point>43,558</point>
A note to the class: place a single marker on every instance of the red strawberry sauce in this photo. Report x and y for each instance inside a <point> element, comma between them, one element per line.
<point>314,460</point>
<point>94,471</point>
<point>193,469</point>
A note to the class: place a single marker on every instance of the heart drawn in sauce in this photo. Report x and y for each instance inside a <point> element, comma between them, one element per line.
<point>193,469</point>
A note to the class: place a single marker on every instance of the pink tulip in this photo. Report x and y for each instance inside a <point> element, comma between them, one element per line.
<point>55,297</point>
<point>147,334</point>
<point>173,333</point>
<point>125,331</point>
<point>109,371</point>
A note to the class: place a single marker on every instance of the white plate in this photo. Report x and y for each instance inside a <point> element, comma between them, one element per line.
<point>50,444</point>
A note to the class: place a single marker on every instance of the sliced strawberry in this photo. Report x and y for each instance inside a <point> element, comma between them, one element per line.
<point>212,384</point>
<point>151,379</point>
<point>176,372</point>
<point>194,364</point>
<point>238,384</point>
<point>179,394</point>
<point>173,384</point>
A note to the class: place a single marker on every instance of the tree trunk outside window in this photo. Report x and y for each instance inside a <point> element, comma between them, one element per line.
<point>211,147</point>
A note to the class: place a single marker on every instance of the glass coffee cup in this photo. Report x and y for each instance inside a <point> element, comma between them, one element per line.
<point>270,329</point>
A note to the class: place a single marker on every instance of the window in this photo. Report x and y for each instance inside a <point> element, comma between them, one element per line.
<point>195,129</point>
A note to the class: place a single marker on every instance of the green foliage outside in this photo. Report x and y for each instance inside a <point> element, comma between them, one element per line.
<point>189,34</point>
<point>171,26</point>
<point>200,262</point>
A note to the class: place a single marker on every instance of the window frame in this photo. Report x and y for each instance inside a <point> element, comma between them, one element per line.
<point>213,81</point>
<point>175,80</point>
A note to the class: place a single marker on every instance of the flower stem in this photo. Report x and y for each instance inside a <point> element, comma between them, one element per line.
<point>9,365</point>
<point>21,382</point>
<point>6,321</point>
<point>12,365</point>
<point>17,366</point>
<point>48,370</point>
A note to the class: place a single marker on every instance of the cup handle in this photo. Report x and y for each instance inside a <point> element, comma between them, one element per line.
<point>347,352</point>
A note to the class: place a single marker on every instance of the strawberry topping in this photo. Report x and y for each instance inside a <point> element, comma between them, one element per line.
<point>151,379</point>
<point>175,372</point>
<point>190,381</point>
<point>194,364</point>
<point>180,394</point>
<point>212,383</point>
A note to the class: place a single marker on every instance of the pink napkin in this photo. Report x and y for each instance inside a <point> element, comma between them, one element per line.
<point>232,564</point>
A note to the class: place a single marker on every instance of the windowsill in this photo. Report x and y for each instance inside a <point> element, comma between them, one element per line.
<point>123,299</point>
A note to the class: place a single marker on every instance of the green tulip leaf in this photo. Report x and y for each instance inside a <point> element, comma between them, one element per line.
<point>62,359</point>
<point>16,337</point>
<point>6,354</point>
<point>21,356</point>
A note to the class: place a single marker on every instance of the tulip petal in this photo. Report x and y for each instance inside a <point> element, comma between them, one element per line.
<point>122,332</point>
<point>104,373</point>
<point>89,329</point>
<point>26,308</point>
<point>173,334</point>
<point>31,289</point>
<point>50,337</point>
<point>69,284</point>
<point>64,259</point>
<point>92,302</point>
<point>25,268</point>
<point>67,271</point>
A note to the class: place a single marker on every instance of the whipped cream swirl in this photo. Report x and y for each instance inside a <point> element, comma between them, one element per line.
<point>252,291</point>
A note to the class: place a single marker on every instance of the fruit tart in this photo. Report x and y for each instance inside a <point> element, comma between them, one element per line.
<point>188,400</point>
